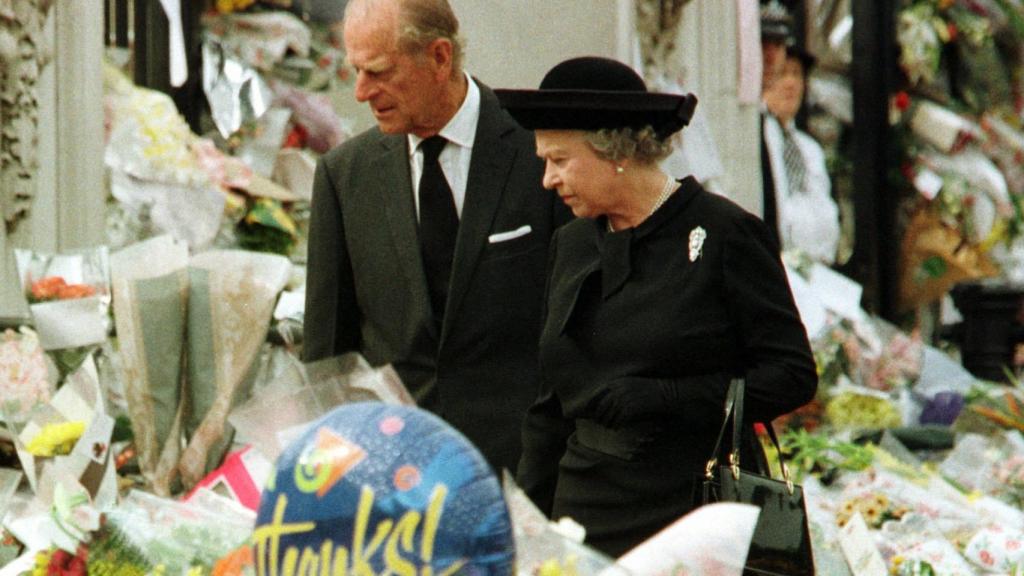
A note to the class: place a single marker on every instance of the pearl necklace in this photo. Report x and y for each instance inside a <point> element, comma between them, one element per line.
<point>666,191</point>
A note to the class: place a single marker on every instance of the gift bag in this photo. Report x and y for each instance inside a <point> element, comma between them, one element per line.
<point>782,541</point>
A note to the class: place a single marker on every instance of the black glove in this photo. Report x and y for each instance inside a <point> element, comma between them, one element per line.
<point>632,399</point>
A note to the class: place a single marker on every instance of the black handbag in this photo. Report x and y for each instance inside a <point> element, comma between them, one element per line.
<point>782,542</point>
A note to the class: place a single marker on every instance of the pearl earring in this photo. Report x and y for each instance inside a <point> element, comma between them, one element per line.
<point>619,169</point>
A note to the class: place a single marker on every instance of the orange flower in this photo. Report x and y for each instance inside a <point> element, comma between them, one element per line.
<point>234,563</point>
<point>72,291</point>
<point>46,288</point>
<point>56,288</point>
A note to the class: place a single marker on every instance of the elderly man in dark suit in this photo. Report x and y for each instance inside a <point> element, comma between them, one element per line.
<point>428,234</point>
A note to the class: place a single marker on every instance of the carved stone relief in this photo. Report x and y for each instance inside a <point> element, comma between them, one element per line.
<point>22,57</point>
<point>657,24</point>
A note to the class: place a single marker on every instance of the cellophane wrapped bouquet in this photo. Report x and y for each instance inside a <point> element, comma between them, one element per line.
<point>150,535</point>
<point>69,300</point>
<point>190,329</point>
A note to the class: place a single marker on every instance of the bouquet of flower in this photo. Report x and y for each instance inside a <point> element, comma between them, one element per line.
<point>875,508</point>
<point>147,535</point>
<point>24,378</point>
<point>150,281</point>
<point>992,407</point>
<point>67,440</point>
<point>822,454</point>
<point>996,549</point>
<point>69,298</point>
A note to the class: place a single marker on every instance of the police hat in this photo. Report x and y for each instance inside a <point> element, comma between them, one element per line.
<point>776,23</point>
<point>591,93</point>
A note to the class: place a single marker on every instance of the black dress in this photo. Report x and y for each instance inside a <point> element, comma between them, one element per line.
<point>695,294</point>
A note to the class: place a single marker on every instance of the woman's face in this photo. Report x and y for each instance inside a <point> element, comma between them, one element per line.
<point>787,94</point>
<point>580,177</point>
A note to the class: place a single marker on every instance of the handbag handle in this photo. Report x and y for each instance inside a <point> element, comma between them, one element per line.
<point>734,408</point>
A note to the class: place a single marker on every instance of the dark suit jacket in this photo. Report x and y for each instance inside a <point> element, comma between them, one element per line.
<point>769,207</point>
<point>366,290</point>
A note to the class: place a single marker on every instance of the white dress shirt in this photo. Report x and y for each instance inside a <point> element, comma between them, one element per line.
<point>808,219</point>
<point>461,133</point>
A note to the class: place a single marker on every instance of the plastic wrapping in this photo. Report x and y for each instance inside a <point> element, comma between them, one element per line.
<point>69,295</point>
<point>24,377</point>
<point>279,411</point>
<point>542,547</point>
<point>711,540</point>
<point>236,92</point>
<point>67,441</point>
<point>231,299</point>
<point>150,286</point>
<point>176,535</point>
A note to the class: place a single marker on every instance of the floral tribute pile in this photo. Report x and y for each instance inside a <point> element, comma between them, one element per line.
<point>907,460</point>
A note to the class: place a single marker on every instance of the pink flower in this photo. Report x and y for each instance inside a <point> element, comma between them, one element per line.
<point>986,558</point>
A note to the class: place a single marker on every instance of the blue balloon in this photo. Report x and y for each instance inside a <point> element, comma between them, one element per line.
<point>373,488</point>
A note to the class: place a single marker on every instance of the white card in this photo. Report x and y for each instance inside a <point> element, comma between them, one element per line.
<point>839,293</point>
<point>928,183</point>
<point>861,554</point>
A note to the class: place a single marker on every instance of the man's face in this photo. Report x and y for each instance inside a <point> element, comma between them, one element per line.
<point>773,53</point>
<point>787,93</point>
<point>401,88</point>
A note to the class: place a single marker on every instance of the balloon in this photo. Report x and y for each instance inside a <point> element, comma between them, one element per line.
<point>373,488</point>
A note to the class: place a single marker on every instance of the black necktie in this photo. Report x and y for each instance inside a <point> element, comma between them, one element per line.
<point>439,224</point>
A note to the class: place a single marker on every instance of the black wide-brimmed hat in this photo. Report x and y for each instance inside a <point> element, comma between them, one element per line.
<point>591,93</point>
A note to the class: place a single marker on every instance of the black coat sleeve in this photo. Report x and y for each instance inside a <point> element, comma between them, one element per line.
<point>545,432</point>
<point>778,364</point>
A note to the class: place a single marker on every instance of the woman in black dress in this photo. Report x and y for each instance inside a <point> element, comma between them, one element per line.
<point>659,293</point>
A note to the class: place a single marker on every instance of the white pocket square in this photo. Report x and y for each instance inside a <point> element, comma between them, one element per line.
<point>510,235</point>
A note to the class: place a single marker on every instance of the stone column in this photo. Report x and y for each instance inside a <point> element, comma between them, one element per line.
<point>53,197</point>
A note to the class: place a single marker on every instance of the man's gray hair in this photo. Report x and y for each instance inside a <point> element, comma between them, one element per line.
<point>420,22</point>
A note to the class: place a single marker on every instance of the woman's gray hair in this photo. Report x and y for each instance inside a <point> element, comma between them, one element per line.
<point>639,145</point>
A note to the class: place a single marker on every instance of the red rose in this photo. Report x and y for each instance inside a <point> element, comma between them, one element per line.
<point>296,138</point>
<point>902,101</point>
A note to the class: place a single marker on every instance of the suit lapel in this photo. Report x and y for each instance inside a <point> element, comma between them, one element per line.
<point>394,185</point>
<point>488,175</point>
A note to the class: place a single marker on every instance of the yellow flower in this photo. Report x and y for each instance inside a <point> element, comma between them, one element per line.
<point>550,567</point>
<point>56,439</point>
<point>872,514</point>
<point>42,562</point>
